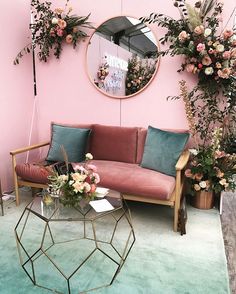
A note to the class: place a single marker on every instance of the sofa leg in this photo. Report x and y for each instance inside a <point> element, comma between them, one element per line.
<point>15,178</point>
<point>176,217</point>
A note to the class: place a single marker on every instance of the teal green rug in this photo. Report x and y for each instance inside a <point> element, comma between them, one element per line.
<point>160,261</point>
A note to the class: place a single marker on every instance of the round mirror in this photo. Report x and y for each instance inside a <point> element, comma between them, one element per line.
<point>122,57</point>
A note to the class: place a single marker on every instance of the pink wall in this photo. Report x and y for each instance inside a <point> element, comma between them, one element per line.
<point>16,88</point>
<point>65,93</point>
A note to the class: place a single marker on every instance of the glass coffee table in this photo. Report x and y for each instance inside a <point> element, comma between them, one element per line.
<point>74,250</point>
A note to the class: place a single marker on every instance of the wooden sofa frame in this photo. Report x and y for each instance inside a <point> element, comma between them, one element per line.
<point>174,200</point>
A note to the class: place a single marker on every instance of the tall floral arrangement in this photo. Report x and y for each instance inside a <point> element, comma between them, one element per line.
<point>211,168</point>
<point>51,28</point>
<point>209,53</point>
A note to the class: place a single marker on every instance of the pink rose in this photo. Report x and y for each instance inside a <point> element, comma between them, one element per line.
<point>201,47</point>
<point>92,167</point>
<point>60,32</point>
<point>188,173</point>
<point>226,55</point>
<point>227,34</point>
<point>206,60</point>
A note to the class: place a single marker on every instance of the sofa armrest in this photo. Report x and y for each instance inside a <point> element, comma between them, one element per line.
<point>28,148</point>
<point>183,160</point>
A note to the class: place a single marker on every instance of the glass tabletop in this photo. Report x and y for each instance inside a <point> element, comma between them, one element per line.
<point>56,211</point>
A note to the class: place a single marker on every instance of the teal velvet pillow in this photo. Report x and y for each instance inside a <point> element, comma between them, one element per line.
<point>162,150</point>
<point>74,141</point>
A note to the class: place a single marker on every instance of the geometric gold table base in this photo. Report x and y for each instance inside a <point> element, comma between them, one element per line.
<point>67,250</point>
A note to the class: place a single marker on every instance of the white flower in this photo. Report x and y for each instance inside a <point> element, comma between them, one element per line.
<point>203,184</point>
<point>63,178</point>
<point>220,48</point>
<point>88,156</point>
<point>55,20</point>
<point>209,71</point>
<point>193,151</point>
<point>207,32</point>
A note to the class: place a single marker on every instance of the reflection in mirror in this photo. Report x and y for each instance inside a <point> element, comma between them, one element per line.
<point>122,57</point>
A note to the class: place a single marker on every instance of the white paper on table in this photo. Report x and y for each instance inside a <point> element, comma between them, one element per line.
<point>101,205</point>
<point>101,192</point>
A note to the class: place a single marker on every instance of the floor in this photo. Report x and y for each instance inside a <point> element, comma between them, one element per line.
<point>228,220</point>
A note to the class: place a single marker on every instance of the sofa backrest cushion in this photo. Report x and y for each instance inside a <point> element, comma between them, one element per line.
<point>162,150</point>
<point>73,139</point>
<point>114,143</point>
<point>142,134</point>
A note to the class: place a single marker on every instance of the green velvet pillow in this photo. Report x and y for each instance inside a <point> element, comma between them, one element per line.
<point>162,150</point>
<point>74,141</point>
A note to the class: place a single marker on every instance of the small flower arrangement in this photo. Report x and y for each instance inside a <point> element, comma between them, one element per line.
<point>212,169</point>
<point>103,71</point>
<point>78,185</point>
<point>51,28</point>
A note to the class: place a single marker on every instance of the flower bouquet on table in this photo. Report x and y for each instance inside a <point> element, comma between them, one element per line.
<point>212,169</point>
<point>76,186</point>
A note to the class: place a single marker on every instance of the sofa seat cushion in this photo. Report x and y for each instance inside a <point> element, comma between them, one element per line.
<point>133,179</point>
<point>33,172</point>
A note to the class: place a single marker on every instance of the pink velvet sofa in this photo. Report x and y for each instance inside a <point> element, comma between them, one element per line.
<point>117,153</point>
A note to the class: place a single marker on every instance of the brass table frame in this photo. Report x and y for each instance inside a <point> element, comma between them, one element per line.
<point>28,260</point>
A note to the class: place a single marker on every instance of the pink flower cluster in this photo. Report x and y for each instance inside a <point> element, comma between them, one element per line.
<point>208,55</point>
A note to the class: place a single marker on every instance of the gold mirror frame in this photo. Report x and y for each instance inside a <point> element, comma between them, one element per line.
<point>106,71</point>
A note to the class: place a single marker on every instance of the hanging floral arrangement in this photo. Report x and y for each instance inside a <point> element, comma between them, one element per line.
<point>209,53</point>
<point>51,28</point>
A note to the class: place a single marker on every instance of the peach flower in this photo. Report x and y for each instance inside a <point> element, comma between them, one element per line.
<point>183,36</point>
<point>198,176</point>
<point>199,30</point>
<point>190,67</point>
<point>224,73</point>
<point>62,24</point>
<point>206,60</point>
<point>196,187</point>
<point>59,10</point>
<point>227,34</point>
<point>69,39</point>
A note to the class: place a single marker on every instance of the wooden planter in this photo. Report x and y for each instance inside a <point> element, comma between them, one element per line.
<point>203,200</point>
